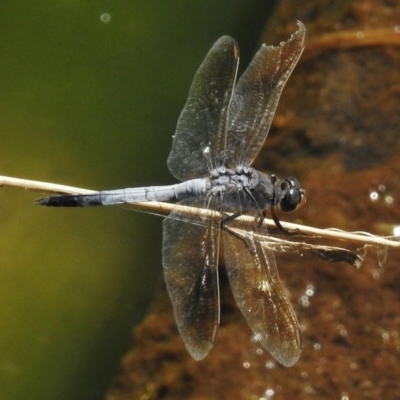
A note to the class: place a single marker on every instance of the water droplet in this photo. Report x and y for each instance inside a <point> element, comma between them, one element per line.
<point>396,230</point>
<point>389,200</point>
<point>269,393</point>
<point>270,365</point>
<point>374,196</point>
<point>105,17</point>
<point>353,366</point>
<point>310,290</point>
<point>381,187</point>
<point>385,336</point>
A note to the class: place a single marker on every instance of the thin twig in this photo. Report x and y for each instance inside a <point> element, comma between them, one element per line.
<point>164,208</point>
<point>38,186</point>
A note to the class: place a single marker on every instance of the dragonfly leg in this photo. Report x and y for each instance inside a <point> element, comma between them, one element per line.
<point>231,217</point>
<point>274,180</point>
<point>276,220</point>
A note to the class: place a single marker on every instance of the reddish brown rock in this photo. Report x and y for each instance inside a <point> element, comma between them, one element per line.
<point>337,130</point>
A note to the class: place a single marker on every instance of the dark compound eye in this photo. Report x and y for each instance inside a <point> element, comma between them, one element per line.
<point>294,195</point>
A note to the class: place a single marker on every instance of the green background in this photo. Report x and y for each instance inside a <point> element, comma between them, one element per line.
<point>91,104</point>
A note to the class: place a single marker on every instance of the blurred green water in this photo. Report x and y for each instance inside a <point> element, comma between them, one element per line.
<point>90,94</point>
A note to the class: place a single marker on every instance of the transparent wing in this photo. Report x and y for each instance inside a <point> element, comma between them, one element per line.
<point>256,96</point>
<point>199,140</point>
<point>190,259</point>
<point>259,294</point>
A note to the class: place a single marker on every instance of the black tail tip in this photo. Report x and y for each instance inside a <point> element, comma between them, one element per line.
<point>57,201</point>
<point>76,200</point>
<point>44,201</point>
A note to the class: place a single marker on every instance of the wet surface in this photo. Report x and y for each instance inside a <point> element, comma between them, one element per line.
<point>337,130</point>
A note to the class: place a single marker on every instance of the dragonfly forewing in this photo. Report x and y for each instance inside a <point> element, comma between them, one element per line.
<point>200,137</point>
<point>256,97</point>
<point>190,260</point>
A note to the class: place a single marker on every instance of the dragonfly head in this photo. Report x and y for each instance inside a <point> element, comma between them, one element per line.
<point>292,195</point>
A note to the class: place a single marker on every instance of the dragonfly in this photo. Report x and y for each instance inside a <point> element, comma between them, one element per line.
<point>221,129</point>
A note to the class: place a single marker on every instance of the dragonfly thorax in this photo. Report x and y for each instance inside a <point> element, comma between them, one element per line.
<point>226,179</point>
<point>253,189</point>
